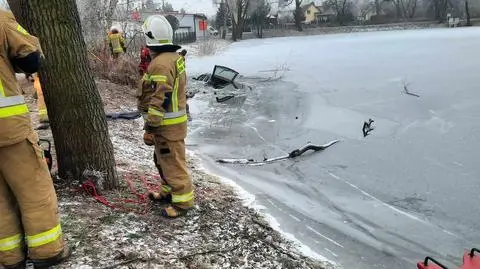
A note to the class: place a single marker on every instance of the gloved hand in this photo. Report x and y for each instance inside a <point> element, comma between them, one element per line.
<point>148,139</point>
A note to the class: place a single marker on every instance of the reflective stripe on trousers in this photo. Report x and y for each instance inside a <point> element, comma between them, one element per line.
<point>12,106</point>
<point>11,242</point>
<point>172,118</point>
<point>44,238</point>
<point>182,198</point>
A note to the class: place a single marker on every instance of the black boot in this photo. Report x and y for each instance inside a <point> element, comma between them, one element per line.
<point>20,265</point>
<point>47,263</point>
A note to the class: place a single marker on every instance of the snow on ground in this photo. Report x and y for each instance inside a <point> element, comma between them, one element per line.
<point>219,233</point>
<point>207,47</point>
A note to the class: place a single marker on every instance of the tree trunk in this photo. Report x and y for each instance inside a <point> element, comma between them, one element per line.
<point>298,15</point>
<point>234,31</point>
<point>74,105</point>
<point>467,11</point>
<point>378,8</point>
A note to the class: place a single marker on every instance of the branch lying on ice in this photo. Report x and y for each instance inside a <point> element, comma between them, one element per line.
<point>295,153</point>
<point>407,91</point>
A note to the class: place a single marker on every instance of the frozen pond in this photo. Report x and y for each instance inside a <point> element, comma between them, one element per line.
<point>408,190</point>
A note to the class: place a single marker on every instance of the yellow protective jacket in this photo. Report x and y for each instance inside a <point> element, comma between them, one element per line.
<point>162,96</point>
<point>15,123</point>
<point>117,42</point>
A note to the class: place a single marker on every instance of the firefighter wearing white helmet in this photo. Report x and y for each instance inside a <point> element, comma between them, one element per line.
<point>116,42</point>
<point>162,101</point>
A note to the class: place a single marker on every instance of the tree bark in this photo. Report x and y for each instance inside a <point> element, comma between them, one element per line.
<point>467,11</point>
<point>298,16</point>
<point>378,8</point>
<point>75,109</point>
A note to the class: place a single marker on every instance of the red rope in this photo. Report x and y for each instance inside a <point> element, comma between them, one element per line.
<point>139,203</point>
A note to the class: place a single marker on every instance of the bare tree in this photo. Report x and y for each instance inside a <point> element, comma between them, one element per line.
<point>409,8</point>
<point>238,10</point>
<point>93,18</point>
<point>368,6</point>
<point>298,13</point>
<point>221,19</point>
<point>259,14</point>
<point>378,6</point>
<point>75,109</point>
<point>112,6</point>
<point>167,7</point>
<point>342,8</point>
<point>406,8</point>
<point>440,8</point>
<point>467,12</point>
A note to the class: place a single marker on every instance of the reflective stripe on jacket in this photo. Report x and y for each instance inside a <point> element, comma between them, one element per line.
<point>163,91</point>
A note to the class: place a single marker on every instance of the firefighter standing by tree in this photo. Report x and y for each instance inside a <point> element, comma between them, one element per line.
<point>25,182</point>
<point>162,101</point>
<point>116,42</point>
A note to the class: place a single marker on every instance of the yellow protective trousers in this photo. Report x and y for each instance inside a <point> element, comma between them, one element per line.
<point>171,163</point>
<point>28,205</point>
<point>42,107</point>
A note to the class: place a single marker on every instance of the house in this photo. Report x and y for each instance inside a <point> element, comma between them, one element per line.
<point>193,24</point>
<point>311,12</point>
<point>326,16</point>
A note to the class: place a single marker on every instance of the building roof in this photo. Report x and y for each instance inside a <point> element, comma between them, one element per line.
<point>307,6</point>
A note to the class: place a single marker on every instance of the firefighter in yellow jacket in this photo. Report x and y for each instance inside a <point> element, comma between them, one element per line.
<point>162,100</point>
<point>116,42</point>
<point>28,204</point>
<point>42,108</point>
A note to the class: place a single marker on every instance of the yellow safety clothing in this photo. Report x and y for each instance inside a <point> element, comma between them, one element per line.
<point>117,42</point>
<point>28,203</point>
<point>162,97</point>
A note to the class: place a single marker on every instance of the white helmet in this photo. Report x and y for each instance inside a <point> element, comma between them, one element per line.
<point>158,31</point>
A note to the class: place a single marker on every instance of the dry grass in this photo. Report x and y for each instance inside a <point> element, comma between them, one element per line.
<point>123,70</point>
<point>209,47</point>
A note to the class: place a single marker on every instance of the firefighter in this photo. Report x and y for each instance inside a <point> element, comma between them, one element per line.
<point>29,215</point>
<point>145,60</point>
<point>116,43</point>
<point>42,108</point>
<point>162,101</point>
